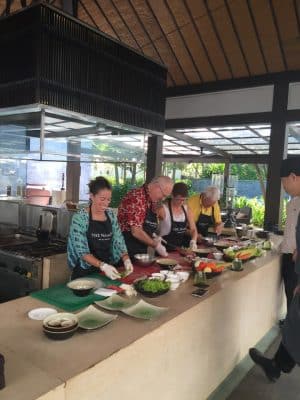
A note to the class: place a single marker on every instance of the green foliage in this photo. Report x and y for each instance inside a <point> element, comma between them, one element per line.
<point>209,169</point>
<point>205,171</point>
<point>258,208</point>
<point>118,192</point>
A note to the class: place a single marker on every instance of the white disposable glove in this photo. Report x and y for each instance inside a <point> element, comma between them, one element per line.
<point>157,239</point>
<point>128,266</point>
<point>193,245</point>
<point>129,289</point>
<point>161,250</point>
<point>110,271</point>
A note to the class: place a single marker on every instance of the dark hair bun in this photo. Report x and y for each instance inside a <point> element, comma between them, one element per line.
<point>99,183</point>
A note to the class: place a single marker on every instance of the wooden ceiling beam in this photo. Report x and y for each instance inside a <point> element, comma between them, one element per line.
<point>237,37</point>
<point>88,14</point>
<point>167,40</point>
<point>107,20</point>
<point>211,19</point>
<point>296,4</point>
<point>149,38</point>
<point>200,39</point>
<point>126,25</point>
<point>278,35</point>
<point>183,40</point>
<point>257,35</point>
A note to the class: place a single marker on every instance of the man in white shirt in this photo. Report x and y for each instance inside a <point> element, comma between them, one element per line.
<point>288,247</point>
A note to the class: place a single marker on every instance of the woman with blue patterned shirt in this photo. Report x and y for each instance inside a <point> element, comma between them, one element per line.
<point>95,240</point>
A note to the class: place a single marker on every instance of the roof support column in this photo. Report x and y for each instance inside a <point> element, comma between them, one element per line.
<point>154,157</point>
<point>277,151</point>
<point>73,171</point>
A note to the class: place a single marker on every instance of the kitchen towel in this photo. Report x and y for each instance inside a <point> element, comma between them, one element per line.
<point>62,297</point>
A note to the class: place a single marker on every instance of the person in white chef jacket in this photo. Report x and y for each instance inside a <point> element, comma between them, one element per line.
<point>288,247</point>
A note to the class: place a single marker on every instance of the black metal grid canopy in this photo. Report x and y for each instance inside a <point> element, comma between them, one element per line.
<point>252,140</point>
<point>50,58</point>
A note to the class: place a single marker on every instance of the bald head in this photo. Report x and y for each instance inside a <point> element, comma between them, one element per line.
<point>160,188</point>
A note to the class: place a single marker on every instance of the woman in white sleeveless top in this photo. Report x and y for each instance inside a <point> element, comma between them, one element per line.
<point>177,225</point>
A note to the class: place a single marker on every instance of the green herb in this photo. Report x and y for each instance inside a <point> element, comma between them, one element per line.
<point>153,285</point>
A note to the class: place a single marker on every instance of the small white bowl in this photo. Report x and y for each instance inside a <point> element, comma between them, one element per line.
<point>183,275</point>
<point>158,275</point>
<point>218,256</point>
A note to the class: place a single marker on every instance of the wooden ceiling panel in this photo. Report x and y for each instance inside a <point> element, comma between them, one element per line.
<point>247,34</point>
<point>190,35</point>
<point>230,41</point>
<point>192,39</point>
<point>267,34</point>
<point>147,19</point>
<point>84,15</point>
<point>115,18</point>
<point>149,50</point>
<point>289,31</point>
<point>159,41</point>
<point>132,21</point>
<point>173,67</point>
<point>205,28</point>
<point>91,12</point>
<point>172,34</point>
<point>183,58</point>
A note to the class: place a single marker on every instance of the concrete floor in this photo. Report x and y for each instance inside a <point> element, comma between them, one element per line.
<point>255,385</point>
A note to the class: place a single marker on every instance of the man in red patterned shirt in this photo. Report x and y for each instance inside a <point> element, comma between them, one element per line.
<point>137,216</point>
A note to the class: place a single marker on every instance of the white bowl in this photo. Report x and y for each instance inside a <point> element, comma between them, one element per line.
<point>158,275</point>
<point>183,275</point>
<point>218,256</point>
<point>81,287</point>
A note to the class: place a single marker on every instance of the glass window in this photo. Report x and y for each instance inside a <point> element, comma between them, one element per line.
<point>237,134</point>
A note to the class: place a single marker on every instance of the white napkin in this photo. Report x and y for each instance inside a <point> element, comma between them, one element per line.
<point>105,292</point>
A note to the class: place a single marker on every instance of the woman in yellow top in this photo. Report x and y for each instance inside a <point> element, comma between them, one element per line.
<point>206,211</point>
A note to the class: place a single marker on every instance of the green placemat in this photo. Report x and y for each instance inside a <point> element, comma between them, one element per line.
<point>62,297</point>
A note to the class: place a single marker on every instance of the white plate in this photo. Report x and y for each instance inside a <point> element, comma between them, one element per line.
<point>41,313</point>
<point>105,292</point>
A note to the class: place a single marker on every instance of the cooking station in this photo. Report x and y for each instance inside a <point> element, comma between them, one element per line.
<point>23,255</point>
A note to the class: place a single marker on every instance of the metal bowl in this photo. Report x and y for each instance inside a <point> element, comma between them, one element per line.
<point>144,259</point>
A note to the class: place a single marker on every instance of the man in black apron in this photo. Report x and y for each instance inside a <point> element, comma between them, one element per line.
<point>204,222</point>
<point>206,211</point>
<point>138,219</point>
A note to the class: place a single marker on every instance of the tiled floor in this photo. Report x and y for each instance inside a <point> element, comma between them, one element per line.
<point>255,385</point>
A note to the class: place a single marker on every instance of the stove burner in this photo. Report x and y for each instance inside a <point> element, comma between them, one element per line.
<point>37,249</point>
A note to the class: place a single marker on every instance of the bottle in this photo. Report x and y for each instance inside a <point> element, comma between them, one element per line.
<point>8,190</point>
<point>19,187</point>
